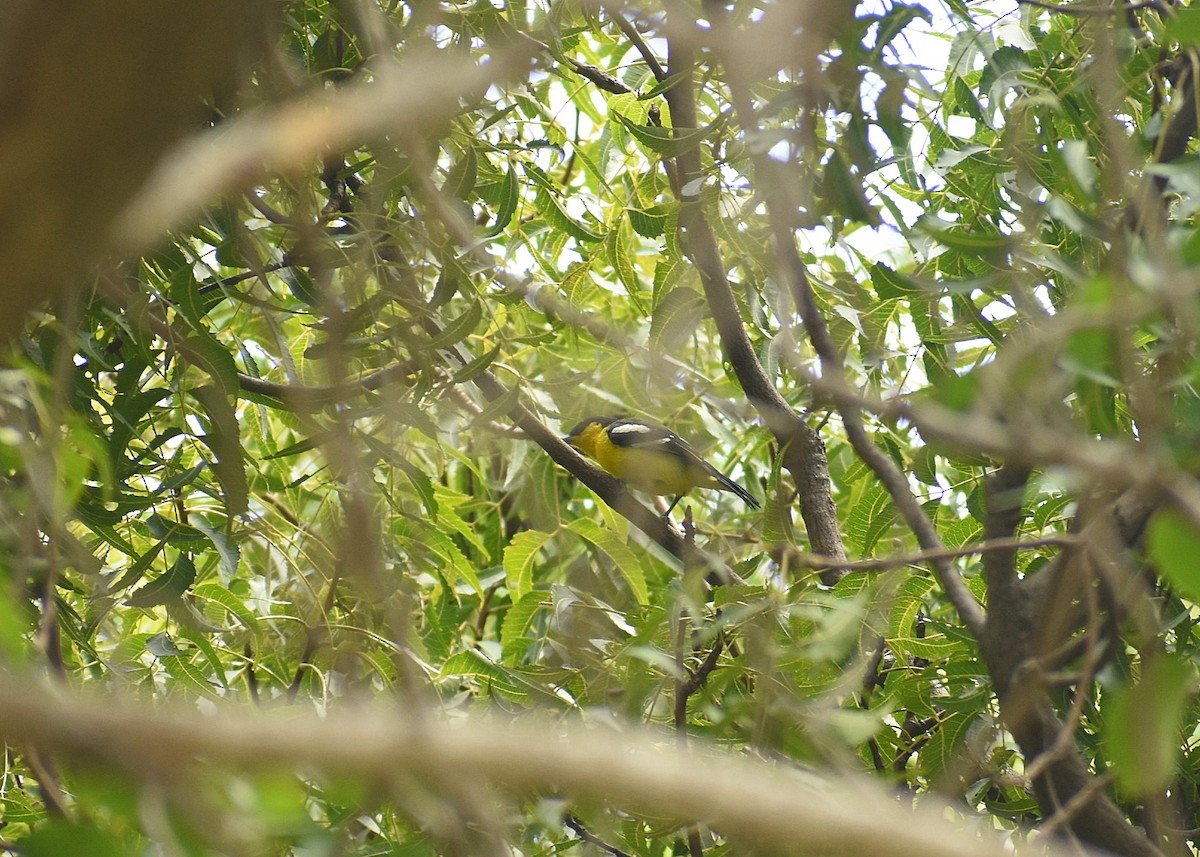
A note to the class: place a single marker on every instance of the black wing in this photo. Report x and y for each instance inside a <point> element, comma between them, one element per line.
<point>635,434</point>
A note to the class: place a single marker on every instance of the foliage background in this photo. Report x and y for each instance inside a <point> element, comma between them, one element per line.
<point>295,562</point>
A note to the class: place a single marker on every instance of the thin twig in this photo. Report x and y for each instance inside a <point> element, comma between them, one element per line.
<point>586,835</point>
<point>1096,11</point>
<point>1075,805</point>
<point>626,26</point>
<point>816,562</point>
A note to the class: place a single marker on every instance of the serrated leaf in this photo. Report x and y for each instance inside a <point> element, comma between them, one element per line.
<point>227,550</point>
<point>869,519</point>
<point>1143,726</point>
<point>127,413</point>
<point>893,22</point>
<point>301,285</point>
<point>942,750</point>
<point>965,99</point>
<point>617,245</point>
<point>305,444</point>
<point>224,602</point>
<point>224,439</point>
<point>519,557</point>
<point>1174,543</point>
<point>452,558</point>
<point>554,213</point>
<point>509,199</point>
<point>472,370</point>
<point>205,352</point>
<point>845,193</point>
<point>168,586</point>
<point>458,329</point>
<point>495,677</point>
<point>664,141</point>
<point>889,285</point>
<point>665,84</point>
<point>136,571</point>
<point>649,222</point>
<point>907,603</point>
<point>516,624</point>
<point>460,181</point>
<point>453,523</point>
<point>627,106</point>
<point>625,560</point>
<point>187,674</point>
<point>676,319</point>
<point>162,646</point>
<point>934,648</point>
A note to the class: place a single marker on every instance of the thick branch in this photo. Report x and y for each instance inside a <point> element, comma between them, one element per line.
<point>1008,647</point>
<point>773,185</point>
<point>747,800</point>
<point>804,453</point>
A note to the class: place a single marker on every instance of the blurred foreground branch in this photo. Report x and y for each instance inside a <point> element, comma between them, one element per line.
<point>749,801</point>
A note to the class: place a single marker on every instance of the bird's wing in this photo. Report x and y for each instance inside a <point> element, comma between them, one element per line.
<point>639,435</point>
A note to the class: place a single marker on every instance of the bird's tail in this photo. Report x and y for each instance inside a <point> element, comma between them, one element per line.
<point>727,484</point>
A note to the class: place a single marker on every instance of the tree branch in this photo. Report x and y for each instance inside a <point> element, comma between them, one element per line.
<point>749,801</point>
<point>803,451</point>
<point>1007,644</point>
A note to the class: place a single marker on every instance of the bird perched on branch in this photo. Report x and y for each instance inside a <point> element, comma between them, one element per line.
<point>650,458</point>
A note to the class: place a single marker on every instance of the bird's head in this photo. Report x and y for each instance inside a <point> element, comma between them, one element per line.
<point>583,436</point>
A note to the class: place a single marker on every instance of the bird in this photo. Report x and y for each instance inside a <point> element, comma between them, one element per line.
<point>650,457</point>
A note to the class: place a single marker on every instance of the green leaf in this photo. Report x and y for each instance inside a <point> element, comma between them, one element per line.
<point>663,141</point>
<point>458,329</point>
<point>628,107</point>
<point>219,602</point>
<point>472,370</point>
<point>224,438</point>
<point>557,216</point>
<point>845,192</point>
<point>228,552</point>
<point>460,181</point>
<point>136,571</point>
<point>509,198</point>
<point>516,624</point>
<point>451,556</point>
<point>168,586</point>
<point>617,243</point>
<point>870,517</point>
<point>493,676</point>
<point>1002,69</point>
<point>519,557</point>
<point>60,838</point>
<point>649,222</point>
<point>944,748</point>
<point>626,562</point>
<point>1144,724</point>
<point>208,354</point>
<point>676,319</point>
<point>889,285</point>
<point>188,675</point>
<point>1174,544</point>
<point>907,603</point>
<point>892,23</point>
<point>1184,26</point>
<point>182,536</point>
<point>664,84</point>
<point>448,518</point>
<point>127,415</point>
<point>932,648</point>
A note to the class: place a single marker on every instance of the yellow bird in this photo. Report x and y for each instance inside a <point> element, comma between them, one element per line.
<point>650,458</point>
